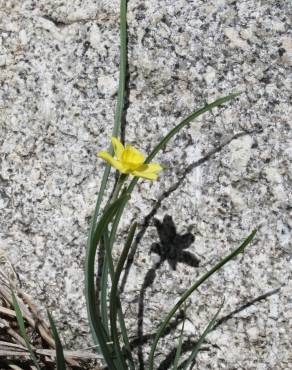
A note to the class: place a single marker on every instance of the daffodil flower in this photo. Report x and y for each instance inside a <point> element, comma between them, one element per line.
<point>129,160</point>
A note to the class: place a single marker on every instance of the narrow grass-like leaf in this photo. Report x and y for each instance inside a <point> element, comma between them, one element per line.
<point>99,334</point>
<point>60,359</point>
<point>108,264</point>
<point>119,106</point>
<point>20,322</point>
<point>103,286</point>
<point>115,338</point>
<point>124,333</point>
<point>168,137</point>
<point>178,350</point>
<point>189,291</point>
<point>104,305</point>
<point>180,126</point>
<point>108,245</point>
<point>174,131</point>
<point>161,145</point>
<point>120,360</point>
<point>199,343</point>
<point>115,305</point>
<point>123,67</point>
<point>117,122</point>
<point>188,120</point>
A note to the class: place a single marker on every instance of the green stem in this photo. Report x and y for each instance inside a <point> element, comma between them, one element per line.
<point>115,304</point>
<point>119,106</point>
<point>94,313</point>
<point>123,67</point>
<point>105,266</point>
<point>121,180</point>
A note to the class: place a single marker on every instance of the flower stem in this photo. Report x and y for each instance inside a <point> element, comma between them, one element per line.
<point>122,178</point>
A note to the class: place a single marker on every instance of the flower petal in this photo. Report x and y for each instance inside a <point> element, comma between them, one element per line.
<point>148,171</point>
<point>118,147</point>
<point>145,175</point>
<point>153,167</point>
<point>113,162</point>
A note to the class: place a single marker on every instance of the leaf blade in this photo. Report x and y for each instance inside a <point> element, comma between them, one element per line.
<point>103,287</point>
<point>180,126</point>
<point>60,359</point>
<point>117,122</point>
<point>202,338</point>
<point>187,121</point>
<point>21,325</point>
<point>179,347</point>
<point>97,329</point>
<point>189,291</point>
<point>109,266</point>
<point>115,305</point>
<point>119,106</point>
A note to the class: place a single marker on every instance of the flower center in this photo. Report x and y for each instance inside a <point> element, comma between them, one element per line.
<point>132,158</point>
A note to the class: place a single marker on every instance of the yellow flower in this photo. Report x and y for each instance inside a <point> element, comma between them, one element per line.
<point>129,160</point>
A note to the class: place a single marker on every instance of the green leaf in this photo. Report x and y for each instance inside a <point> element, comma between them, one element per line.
<point>119,107</point>
<point>176,129</point>
<point>103,285</point>
<point>60,359</point>
<point>168,137</point>
<point>161,145</point>
<point>98,331</point>
<point>20,322</point>
<point>116,128</point>
<point>108,245</point>
<point>115,305</point>
<point>189,291</point>
<point>178,350</point>
<point>199,343</point>
<point>109,264</point>
<point>180,126</point>
<point>188,120</point>
<point>123,67</point>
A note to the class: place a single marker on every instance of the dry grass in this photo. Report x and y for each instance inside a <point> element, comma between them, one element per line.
<point>13,352</point>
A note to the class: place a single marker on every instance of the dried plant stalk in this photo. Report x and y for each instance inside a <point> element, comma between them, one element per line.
<point>12,345</point>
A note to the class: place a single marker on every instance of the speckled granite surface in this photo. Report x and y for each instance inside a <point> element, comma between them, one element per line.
<point>58,72</point>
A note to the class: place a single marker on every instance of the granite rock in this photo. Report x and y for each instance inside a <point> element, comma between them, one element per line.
<point>59,72</point>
